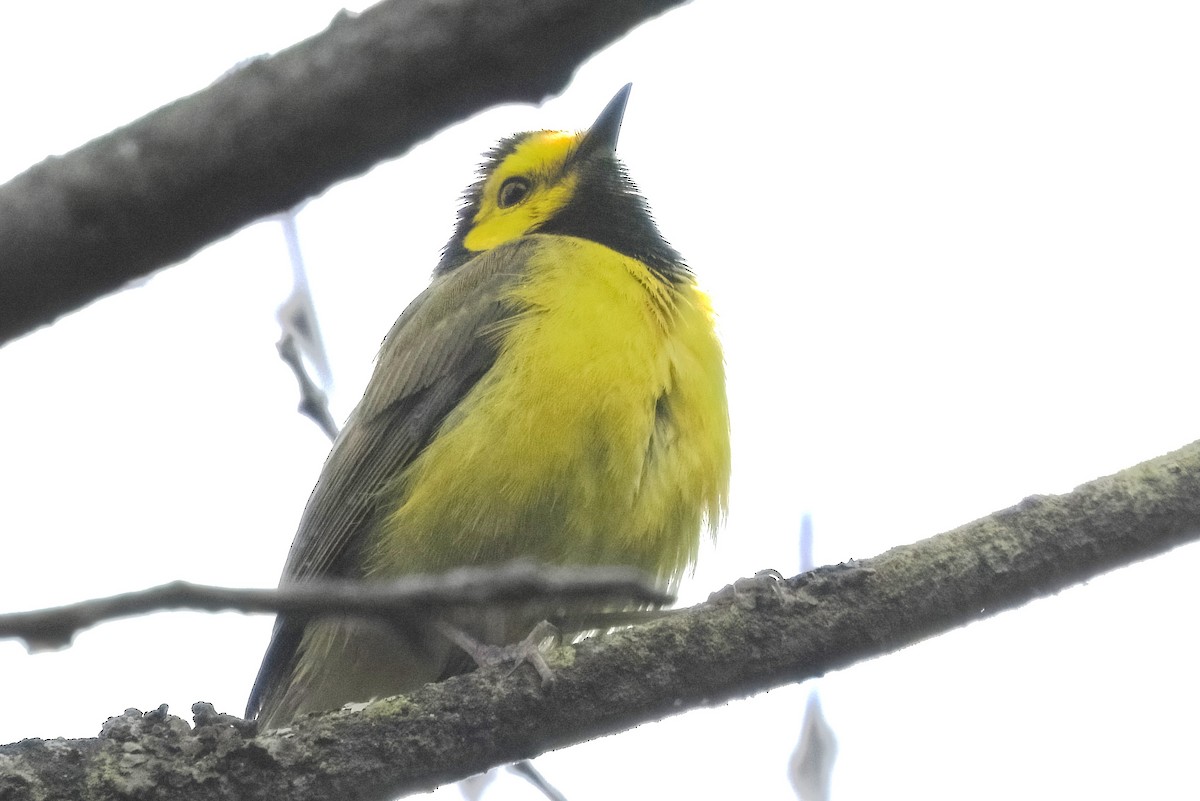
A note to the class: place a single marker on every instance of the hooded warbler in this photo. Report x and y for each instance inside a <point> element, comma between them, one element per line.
<point>557,394</point>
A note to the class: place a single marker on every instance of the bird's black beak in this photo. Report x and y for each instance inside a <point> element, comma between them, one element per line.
<point>602,136</point>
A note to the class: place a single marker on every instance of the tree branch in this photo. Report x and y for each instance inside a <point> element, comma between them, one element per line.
<point>518,582</point>
<point>756,635</point>
<point>276,131</point>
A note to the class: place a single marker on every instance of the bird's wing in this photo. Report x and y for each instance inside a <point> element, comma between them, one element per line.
<point>439,347</point>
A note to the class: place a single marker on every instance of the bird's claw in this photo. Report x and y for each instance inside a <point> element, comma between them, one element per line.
<point>528,650</point>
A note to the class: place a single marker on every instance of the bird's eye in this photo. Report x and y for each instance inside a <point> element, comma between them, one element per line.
<point>512,192</point>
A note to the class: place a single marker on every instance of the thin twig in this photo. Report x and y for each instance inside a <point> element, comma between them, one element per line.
<point>300,339</point>
<point>529,773</point>
<point>518,582</point>
<point>314,403</point>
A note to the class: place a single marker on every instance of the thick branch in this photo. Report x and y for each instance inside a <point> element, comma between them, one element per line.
<point>743,640</point>
<point>519,582</point>
<point>276,131</point>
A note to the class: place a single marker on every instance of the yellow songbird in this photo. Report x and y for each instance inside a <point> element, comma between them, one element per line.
<point>557,394</point>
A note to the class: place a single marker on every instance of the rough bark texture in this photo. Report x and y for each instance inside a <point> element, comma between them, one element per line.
<point>747,638</point>
<point>276,131</point>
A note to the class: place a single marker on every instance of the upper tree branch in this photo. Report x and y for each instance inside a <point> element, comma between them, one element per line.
<point>279,130</point>
<point>739,642</point>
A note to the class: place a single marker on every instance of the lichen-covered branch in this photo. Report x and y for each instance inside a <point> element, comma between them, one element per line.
<point>278,130</point>
<point>756,635</point>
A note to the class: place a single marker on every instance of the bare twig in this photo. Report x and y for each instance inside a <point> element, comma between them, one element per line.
<point>278,130</point>
<point>300,337</point>
<point>314,403</point>
<point>517,582</point>
<point>810,768</point>
<point>529,773</point>
<point>757,635</point>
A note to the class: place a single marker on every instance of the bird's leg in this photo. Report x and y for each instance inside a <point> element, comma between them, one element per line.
<point>527,650</point>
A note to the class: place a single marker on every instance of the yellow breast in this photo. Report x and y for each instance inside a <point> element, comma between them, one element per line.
<point>600,435</point>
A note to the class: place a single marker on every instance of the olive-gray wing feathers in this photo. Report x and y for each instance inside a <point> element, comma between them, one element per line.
<point>437,350</point>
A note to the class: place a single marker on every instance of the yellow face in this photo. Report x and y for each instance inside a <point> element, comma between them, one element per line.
<point>525,189</point>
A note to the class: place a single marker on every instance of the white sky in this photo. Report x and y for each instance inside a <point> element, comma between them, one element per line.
<point>954,247</point>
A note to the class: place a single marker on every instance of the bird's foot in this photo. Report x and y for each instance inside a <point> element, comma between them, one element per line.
<point>527,650</point>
